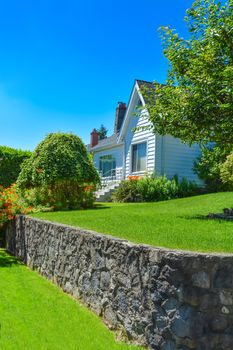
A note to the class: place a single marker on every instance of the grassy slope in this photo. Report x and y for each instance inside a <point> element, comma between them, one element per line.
<point>176,223</point>
<point>36,315</point>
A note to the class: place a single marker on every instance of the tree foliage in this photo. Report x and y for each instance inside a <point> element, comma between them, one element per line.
<point>208,166</point>
<point>102,132</point>
<point>196,104</point>
<point>226,172</point>
<point>61,170</point>
<point>10,164</point>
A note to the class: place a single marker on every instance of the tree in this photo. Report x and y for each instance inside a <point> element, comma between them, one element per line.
<point>196,104</point>
<point>102,132</point>
<point>226,172</point>
<point>208,166</point>
<point>59,171</point>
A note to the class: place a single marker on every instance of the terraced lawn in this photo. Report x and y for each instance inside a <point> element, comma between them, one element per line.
<point>36,315</point>
<point>179,223</point>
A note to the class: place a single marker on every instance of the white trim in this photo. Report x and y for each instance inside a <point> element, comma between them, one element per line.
<point>140,95</point>
<point>100,148</point>
<point>124,161</point>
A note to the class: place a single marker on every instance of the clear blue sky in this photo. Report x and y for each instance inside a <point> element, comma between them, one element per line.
<point>64,65</point>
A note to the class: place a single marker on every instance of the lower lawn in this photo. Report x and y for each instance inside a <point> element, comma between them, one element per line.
<point>179,223</point>
<point>36,315</point>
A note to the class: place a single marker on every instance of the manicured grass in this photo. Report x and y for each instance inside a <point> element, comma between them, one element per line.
<point>179,223</point>
<point>36,315</point>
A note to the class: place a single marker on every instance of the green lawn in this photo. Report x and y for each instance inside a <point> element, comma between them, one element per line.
<point>178,223</point>
<point>36,315</point>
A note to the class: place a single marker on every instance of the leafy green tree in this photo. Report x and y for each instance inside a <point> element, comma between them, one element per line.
<point>196,104</point>
<point>208,166</point>
<point>60,172</point>
<point>102,132</point>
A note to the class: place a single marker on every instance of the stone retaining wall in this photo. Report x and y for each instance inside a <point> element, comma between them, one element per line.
<point>166,299</point>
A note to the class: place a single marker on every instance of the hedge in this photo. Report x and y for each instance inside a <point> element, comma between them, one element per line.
<point>10,164</point>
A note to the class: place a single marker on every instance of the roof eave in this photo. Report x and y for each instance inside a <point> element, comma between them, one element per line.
<point>109,146</point>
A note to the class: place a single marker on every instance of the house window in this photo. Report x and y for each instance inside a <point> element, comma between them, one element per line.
<point>139,157</point>
<point>107,165</point>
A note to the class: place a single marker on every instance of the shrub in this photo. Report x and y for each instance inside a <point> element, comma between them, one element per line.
<point>58,173</point>
<point>11,204</point>
<point>187,188</point>
<point>152,189</point>
<point>156,189</point>
<point>10,164</point>
<point>63,195</point>
<point>208,165</point>
<point>128,191</point>
<point>226,171</point>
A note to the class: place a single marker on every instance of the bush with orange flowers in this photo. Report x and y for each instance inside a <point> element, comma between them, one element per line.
<point>11,204</point>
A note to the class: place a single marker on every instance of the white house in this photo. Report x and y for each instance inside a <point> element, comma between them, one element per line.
<point>134,149</point>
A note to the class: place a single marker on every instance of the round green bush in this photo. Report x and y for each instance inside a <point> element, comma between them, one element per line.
<point>60,172</point>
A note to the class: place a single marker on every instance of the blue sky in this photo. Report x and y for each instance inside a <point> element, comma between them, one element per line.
<point>64,65</point>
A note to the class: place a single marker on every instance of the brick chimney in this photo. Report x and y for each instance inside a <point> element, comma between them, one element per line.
<point>120,115</point>
<point>94,138</point>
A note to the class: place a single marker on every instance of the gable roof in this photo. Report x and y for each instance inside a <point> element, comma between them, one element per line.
<point>115,139</point>
<point>136,93</point>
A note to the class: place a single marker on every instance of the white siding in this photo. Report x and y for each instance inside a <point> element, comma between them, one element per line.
<point>158,154</point>
<point>177,158</point>
<point>116,152</point>
<point>133,137</point>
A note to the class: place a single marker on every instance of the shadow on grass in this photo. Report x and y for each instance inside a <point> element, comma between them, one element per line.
<point>7,260</point>
<point>100,206</point>
<point>96,206</point>
<point>205,218</point>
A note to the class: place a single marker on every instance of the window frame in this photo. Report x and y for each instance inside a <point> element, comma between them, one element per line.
<point>131,165</point>
<point>113,161</point>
